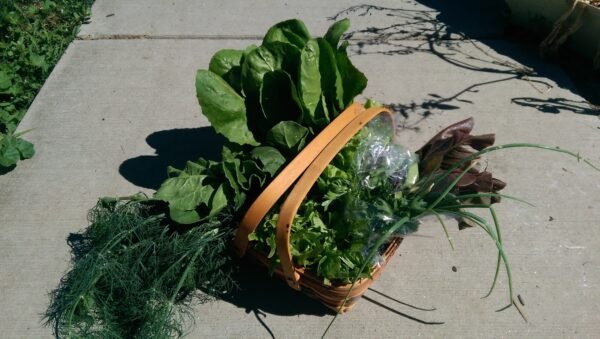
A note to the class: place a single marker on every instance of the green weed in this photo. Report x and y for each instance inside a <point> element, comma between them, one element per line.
<point>33,37</point>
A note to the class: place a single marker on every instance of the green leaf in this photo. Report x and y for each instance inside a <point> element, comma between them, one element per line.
<point>372,103</point>
<point>223,107</point>
<point>9,154</point>
<point>190,197</point>
<point>226,63</point>
<point>233,173</point>
<point>331,79</point>
<point>185,192</point>
<point>267,58</point>
<point>218,201</point>
<point>5,81</point>
<point>288,136</point>
<point>38,61</point>
<point>25,148</point>
<point>224,60</point>
<point>335,32</point>
<point>279,97</point>
<point>310,79</point>
<point>290,31</point>
<point>270,158</point>
<point>184,217</point>
<point>257,62</point>
<point>354,81</point>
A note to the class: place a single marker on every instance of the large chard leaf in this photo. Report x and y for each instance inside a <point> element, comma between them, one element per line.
<point>335,32</point>
<point>223,107</point>
<point>225,60</point>
<point>290,31</point>
<point>331,79</point>
<point>288,136</point>
<point>354,81</point>
<point>269,57</point>
<point>279,98</point>
<point>309,83</point>
<point>226,63</point>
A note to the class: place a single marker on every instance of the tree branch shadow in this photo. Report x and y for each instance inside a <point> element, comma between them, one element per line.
<point>557,105</point>
<point>444,31</point>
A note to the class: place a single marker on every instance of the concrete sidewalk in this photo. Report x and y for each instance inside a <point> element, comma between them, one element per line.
<point>120,106</point>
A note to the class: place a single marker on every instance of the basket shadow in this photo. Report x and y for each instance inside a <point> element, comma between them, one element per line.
<point>173,148</point>
<point>261,293</point>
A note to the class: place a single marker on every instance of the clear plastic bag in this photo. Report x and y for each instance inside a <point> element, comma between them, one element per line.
<point>383,170</point>
<point>380,161</point>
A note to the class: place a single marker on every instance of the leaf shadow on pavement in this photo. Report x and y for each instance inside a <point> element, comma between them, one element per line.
<point>456,33</point>
<point>173,148</point>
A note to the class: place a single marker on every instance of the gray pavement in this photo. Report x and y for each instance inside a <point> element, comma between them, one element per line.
<point>121,101</point>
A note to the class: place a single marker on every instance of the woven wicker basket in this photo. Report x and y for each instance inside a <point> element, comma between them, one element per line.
<point>304,170</point>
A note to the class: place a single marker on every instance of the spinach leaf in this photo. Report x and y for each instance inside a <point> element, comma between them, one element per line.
<point>224,60</point>
<point>223,107</point>
<point>269,157</point>
<point>287,136</point>
<point>226,63</point>
<point>269,57</point>
<point>279,98</point>
<point>331,79</point>
<point>335,32</point>
<point>290,31</point>
<point>353,80</point>
<point>185,193</point>
<point>310,80</point>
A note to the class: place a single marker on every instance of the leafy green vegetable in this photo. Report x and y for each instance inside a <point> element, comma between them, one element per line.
<point>287,136</point>
<point>226,63</point>
<point>269,57</point>
<point>133,274</point>
<point>223,107</point>
<point>335,32</point>
<point>270,159</point>
<point>310,80</point>
<point>279,97</point>
<point>353,80</point>
<point>331,79</point>
<point>269,102</point>
<point>291,31</point>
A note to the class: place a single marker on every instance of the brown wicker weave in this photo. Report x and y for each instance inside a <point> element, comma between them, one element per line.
<point>304,170</point>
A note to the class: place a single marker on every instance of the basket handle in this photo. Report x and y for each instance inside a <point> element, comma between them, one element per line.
<point>296,197</point>
<point>284,180</point>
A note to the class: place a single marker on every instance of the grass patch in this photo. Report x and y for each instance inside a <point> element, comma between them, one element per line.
<point>33,37</point>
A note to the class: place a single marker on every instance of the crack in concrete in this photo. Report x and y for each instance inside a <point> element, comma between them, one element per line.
<point>166,37</point>
<point>90,37</point>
